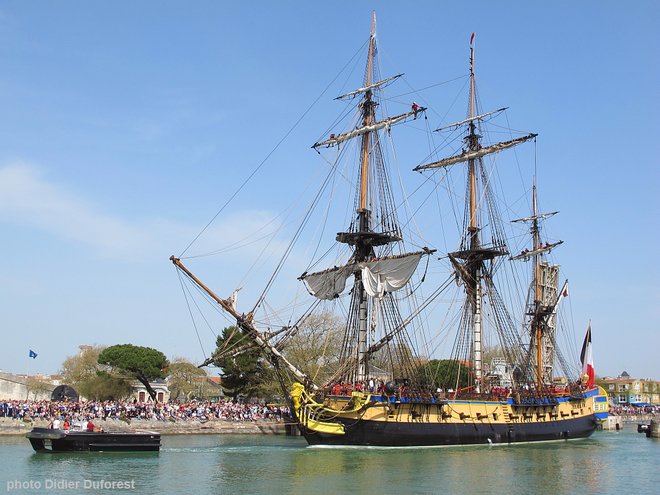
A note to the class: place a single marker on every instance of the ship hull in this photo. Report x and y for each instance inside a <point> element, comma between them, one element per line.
<point>409,434</point>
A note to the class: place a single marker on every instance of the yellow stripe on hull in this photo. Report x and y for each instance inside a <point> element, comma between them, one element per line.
<point>327,417</point>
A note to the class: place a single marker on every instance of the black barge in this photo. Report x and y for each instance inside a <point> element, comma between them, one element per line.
<point>52,440</point>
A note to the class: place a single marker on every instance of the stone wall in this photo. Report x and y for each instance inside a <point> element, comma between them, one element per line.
<point>16,427</point>
<point>14,387</point>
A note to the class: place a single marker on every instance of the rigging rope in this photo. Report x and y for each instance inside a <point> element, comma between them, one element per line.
<point>262,163</point>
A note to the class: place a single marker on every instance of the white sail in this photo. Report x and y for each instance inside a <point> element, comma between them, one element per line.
<point>389,274</point>
<point>328,284</point>
<point>379,276</point>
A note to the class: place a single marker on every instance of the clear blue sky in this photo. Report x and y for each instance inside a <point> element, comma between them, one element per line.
<point>124,126</point>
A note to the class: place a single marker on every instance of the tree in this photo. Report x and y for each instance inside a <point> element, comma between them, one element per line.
<point>92,380</point>
<point>142,363</point>
<point>184,378</point>
<point>315,348</point>
<point>106,385</point>
<point>38,387</point>
<point>245,371</point>
<point>444,373</point>
<point>77,369</point>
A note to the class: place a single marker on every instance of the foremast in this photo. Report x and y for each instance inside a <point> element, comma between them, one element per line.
<point>469,261</point>
<point>375,225</point>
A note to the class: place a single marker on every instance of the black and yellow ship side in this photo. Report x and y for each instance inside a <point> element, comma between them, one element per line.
<point>366,419</point>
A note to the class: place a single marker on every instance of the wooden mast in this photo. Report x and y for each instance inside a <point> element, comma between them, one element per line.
<point>368,117</point>
<point>362,250</point>
<point>473,145</point>
<point>537,329</point>
<point>469,261</point>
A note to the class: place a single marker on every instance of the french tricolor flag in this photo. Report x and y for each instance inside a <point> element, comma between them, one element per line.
<point>586,359</point>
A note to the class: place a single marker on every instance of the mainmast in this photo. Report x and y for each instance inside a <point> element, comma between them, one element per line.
<point>469,261</point>
<point>473,145</point>
<point>375,222</point>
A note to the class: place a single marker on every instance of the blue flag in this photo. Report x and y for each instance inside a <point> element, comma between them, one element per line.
<point>32,354</point>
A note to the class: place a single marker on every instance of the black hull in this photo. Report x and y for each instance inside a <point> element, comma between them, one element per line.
<point>403,434</point>
<point>53,441</point>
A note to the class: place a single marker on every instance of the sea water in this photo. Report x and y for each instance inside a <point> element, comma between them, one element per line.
<point>623,462</point>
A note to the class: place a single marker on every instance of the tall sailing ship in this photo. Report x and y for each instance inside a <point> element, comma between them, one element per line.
<point>379,391</point>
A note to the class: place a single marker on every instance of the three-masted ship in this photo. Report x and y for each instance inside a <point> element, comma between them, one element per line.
<point>379,392</point>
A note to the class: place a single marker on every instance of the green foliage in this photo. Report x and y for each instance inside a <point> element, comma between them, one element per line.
<point>145,361</point>
<point>105,386</point>
<point>84,373</point>
<point>316,347</point>
<point>185,380</point>
<point>142,363</point>
<point>245,372</point>
<point>445,374</point>
<point>77,369</point>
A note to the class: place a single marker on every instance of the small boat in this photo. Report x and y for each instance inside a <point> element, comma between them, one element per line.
<point>650,430</point>
<point>56,440</point>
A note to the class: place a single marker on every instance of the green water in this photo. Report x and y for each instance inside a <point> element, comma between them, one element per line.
<point>607,463</point>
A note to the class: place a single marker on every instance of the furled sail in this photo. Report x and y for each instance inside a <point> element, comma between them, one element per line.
<point>471,119</point>
<point>540,216</point>
<point>375,85</point>
<point>474,154</point>
<point>340,138</point>
<point>525,254</point>
<point>379,276</point>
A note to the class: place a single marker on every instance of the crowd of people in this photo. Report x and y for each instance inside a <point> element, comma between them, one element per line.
<point>620,410</point>
<point>224,410</point>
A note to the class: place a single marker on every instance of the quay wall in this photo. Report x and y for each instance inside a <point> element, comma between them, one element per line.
<point>10,426</point>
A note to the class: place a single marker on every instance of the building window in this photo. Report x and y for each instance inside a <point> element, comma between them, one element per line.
<point>622,398</point>
<point>610,386</point>
<point>160,396</point>
<point>141,397</point>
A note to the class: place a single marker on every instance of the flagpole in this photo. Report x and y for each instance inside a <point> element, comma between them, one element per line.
<point>31,355</point>
<point>27,378</point>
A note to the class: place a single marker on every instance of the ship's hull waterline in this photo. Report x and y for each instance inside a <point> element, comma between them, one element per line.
<point>412,434</point>
<point>370,421</point>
